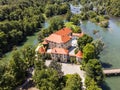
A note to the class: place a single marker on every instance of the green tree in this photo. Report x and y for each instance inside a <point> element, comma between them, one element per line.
<point>46,79</point>
<point>82,41</point>
<point>77,29</point>
<point>28,54</point>
<point>56,23</point>
<point>92,14</point>
<point>39,64</point>
<point>98,44</point>
<point>75,19</point>
<point>3,42</point>
<point>73,83</point>
<point>15,36</point>
<point>94,70</point>
<point>91,84</point>
<point>68,15</point>
<point>17,67</point>
<point>8,81</point>
<point>73,60</point>
<point>56,66</point>
<point>88,52</point>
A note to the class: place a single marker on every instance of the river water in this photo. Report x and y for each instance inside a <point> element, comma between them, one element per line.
<point>30,40</point>
<point>110,56</point>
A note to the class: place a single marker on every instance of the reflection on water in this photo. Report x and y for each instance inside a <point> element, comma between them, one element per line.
<point>110,57</point>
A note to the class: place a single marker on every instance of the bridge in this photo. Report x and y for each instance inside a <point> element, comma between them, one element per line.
<point>109,72</point>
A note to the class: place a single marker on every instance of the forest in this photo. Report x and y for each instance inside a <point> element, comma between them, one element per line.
<point>22,18</point>
<point>109,7</point>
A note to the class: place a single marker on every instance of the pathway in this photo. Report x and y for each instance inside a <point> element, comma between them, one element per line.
<point>111,71</point>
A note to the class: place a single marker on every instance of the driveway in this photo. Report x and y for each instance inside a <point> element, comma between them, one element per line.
<point>70,69</point>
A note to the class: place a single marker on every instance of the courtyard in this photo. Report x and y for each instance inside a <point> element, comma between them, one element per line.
<point>68,68</point>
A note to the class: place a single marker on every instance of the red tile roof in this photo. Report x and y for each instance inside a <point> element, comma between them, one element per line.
<point>58,38</point>
<point>59,51</point>
<point>44,42</point>
<point>79,54</point>
<point>64,31</point>
<point>41,50</point>
<point>78,34</point>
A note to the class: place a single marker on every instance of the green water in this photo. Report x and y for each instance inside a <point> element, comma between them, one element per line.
<point>110,57</point>
<point>30,40</point>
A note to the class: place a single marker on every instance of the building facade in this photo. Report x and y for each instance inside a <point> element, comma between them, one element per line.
<point>59,43</point>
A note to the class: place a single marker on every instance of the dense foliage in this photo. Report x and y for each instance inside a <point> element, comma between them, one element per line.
<point>15,72</point>
<point>48,78</point>
<point>18,20</point>
<point>82,41</point>
<point>73,83</point>
<point>110,7</point>
<point>91,84</point>
<point>94,70</point>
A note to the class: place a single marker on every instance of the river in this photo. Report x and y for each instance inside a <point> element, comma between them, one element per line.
<point>110,56</point>
<point>30,40</point>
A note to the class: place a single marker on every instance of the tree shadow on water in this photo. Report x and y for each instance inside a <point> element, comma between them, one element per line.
<point>105,86</point>
<point>106,65</point>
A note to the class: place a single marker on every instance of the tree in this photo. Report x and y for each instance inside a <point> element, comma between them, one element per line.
<point>82,41</point>
<point>56,23</point>
<point>3,42</point>
<point>8,81</point>
<point>75,19</point>
<point>19,21</point>
<point>94,70</point>
<point>14,73</point>
<point>15,36</point>
<point>39,64</point>
<point>98,44</point>
<point>49,10</point>
<point>91,84</point>
<point>56,66</point>
<point>46,79</point>
<point>73,83</point>
<point>68,15</point>
<point>73,60</point>
<point>75,28</point>
<point>88,52</point>
<point>92,14</point>
<point>28,54</point>
<point>17,66</point>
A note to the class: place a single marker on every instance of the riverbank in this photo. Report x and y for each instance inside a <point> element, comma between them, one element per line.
<point>111,53</point>
<point>31,40</point>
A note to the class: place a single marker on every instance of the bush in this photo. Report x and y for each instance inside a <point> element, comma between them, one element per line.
<point>73,60</point>
<point>76,50</point>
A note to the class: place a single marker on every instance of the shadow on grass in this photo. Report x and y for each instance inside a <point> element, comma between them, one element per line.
<point>106,65</point>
